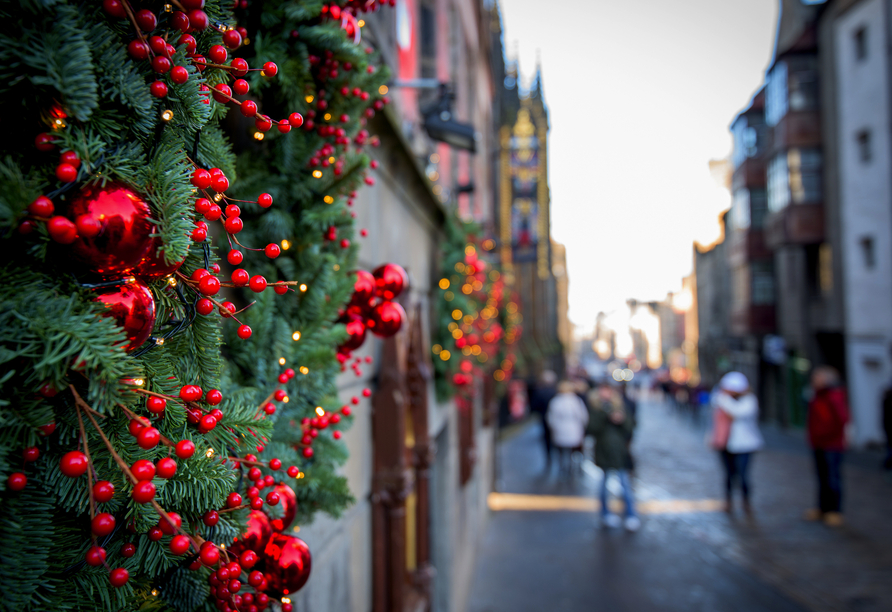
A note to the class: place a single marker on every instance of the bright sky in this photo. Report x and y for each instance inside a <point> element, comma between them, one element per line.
<point>640,94</point>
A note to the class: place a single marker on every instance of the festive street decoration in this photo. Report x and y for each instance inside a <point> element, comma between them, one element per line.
<point>372,306</point>
<point>166,291</point>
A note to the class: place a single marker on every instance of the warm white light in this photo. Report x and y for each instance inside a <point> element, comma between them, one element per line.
<point>295,336</point>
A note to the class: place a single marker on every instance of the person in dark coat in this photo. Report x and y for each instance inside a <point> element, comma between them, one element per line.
<point>541,396</point>
<point>612,427</point>
<point>828,414</point>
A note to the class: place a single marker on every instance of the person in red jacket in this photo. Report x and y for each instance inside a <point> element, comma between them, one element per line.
<point>828,414</point>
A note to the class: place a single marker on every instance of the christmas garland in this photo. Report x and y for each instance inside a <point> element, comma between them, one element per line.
<point>174,202</point>
<point>476,325</point>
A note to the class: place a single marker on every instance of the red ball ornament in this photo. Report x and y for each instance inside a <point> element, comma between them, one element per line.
<point>363,288</point>
<point>390,280</point>
<point>103,491</point>
<point>287,561</point>
<point>288,502</point>
<point>356,330</point>
<point>256,536</point>
<point>153,264</point>
<point>73,464</point>
<point>387,319</point>
<point>125,228</point>
<point>132,307</point>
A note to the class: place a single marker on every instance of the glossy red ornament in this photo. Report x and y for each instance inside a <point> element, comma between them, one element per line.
<point>125,231</point>
<point>390,280</point>
<point>153,265</point>
<point>288,503</point>
<point>256,536</point>
<point>363,288</point>
<point>132,307</point>
<point>356,330</point>
<point>287,561</point>
<point>387,319</point>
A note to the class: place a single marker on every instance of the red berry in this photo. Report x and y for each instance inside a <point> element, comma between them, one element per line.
<point>210,554</point>
<point>336,435</point>
<point>95,556</point>
<point>233,500</point>
<point>232,39</point>
<point>283,378</point>
<point>198,19</point>
<point>207,423</point>
<point>143,492</point>
<point>128,550</point>
<point>213,213</point>
<point>254,473</point>
<point>248,559</point>
<point>44,142</point>
<point>263,123</point>
<point>256,503</point>
<point>240,86</point>
<point>345,243</point>
<point>275,464</point>
<point>73,464</point>
<point>209,285</point>
<point>240,277</point>
<point>244,332</point>
<point>158,45</point>
<point>134,427</point>
<point>307,451</point>
<point>185,449</point>
<point>167,467</point>
<point>138,50</point>
<point>201,178</point>
<point>296,119</point>
<point>228,309</point>
<point>66,173</point>
<point>199,234</point>
<point>146,20</point>
<point>165,526</point>
<point>248,108</point>
<point>210,518</point>
<point>204,306</point>
<point>233,225</point>
<point>32,453</point>
<point>179,544</point>
<point>115,8</point>
<point>143,469</point>
<point>198,274</point>
<point>161,64</point>
<point>88,226</point>
<point>218,54</point>
<point>257,284</point>
<point>103,491</point>
<point>222,93</point>
<point>190,393</point>
<point>16,481</point>
<point>293,471</point>
<point>255,578</point>
<point>102,524</point>
<point>289,372</point>
<point>270,69</point>
<point>346,411</point>
<point>180,21</point>
<point>158,89</point>
<point>220,184</point>
<point>235,257</point>
<point>42,207</point>
<point>119,577</point>
<point>279,395</point>
<point>179,75</point>
<point>189,41</point>
<point>213,397</point>
<point>233,211</point>
<point>239,66</point>
<point>270,408</point>
<point>284,126</point>
<point>265,200</point>
<point>148,438</point>
<point>272,498</point>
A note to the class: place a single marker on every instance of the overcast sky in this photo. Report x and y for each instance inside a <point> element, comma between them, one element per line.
<point>640,95</point>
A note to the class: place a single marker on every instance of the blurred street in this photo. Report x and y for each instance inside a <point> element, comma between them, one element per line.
<point>546,549</point>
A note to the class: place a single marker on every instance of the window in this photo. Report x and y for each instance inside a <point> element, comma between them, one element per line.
<point>794,177</point>
<point>868,251</point>
<point>762,278</point>
<point>865,151</point>
<point>758,208</point>
<point>740,209</point>
<point>792,86</point>
<point>776,94</point>
<point>860,39</point>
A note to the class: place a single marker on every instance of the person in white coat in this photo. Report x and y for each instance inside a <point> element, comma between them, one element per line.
<point>736,407</point>
<point>567,417</point>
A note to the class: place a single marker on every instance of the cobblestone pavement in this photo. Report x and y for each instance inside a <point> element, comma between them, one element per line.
<point>684,558</point>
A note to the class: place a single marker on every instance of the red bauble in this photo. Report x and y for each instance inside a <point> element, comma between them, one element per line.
<point>125,231</point>
<point>390,280</point>
<point>355,333</point>
<point>152,265</point>
<point>288,502</point>
<point>387,319</point>
<point>363,288</point>
<point>132,307</point>
<point>287,561</point>
<point>256,536</point>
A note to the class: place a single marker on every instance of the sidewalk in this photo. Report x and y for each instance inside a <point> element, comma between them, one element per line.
<point>687,556</point>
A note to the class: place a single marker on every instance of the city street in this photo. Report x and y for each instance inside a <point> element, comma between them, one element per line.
<point>544,547</point>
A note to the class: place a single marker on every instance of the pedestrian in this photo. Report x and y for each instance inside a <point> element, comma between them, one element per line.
<point>567,417</point>
<point>736,434</point>
<point>828,414</point>
<point>612,427</point>
<point>540,396</point>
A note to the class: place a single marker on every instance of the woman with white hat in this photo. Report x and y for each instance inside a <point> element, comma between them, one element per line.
<point>736,433</point>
